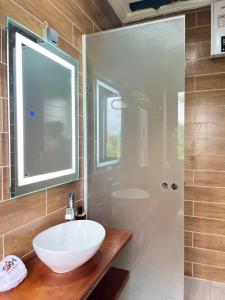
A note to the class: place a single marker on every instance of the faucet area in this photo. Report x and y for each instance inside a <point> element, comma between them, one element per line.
<point>112,159</point>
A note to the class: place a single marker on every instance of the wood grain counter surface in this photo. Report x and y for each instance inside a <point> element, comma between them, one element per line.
<point>43,284</point>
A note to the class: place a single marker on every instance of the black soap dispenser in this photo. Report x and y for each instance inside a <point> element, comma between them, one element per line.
<point>81,214</point>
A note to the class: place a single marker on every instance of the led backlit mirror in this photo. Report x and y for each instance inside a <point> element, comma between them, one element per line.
<point>44,113</point>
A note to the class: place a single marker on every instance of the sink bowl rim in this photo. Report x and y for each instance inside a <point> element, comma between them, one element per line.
<point>68,251</point>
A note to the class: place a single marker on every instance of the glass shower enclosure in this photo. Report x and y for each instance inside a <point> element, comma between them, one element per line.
<point>135,123</point>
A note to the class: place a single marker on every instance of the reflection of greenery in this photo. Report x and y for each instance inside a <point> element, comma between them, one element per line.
<point>112,146</point>
<point>180,141</point>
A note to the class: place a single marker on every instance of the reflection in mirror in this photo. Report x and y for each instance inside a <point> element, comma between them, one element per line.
<point>180,125</point>
<point>108,113</point>
<point>44,103</point>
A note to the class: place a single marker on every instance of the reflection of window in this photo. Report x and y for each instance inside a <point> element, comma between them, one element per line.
<point>181,125</point>
<point>108,114</point>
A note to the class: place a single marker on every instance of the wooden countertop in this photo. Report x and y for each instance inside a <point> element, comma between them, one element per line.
<point>43,284</point>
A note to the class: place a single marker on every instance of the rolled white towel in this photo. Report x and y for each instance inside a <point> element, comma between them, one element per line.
<point>12,272</point>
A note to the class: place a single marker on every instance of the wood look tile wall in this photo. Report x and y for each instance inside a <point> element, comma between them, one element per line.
<point>204,153</point>
<point>22,218</point>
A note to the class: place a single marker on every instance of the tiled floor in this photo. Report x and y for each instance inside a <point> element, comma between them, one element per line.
<point>195,289</point>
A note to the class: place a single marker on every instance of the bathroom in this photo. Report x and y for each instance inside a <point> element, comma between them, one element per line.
<point>155,182</point>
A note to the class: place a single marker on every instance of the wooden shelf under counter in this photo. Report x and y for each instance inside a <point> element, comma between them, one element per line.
<point>43,284</point>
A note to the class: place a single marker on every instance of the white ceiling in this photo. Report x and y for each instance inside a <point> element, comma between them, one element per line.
<point>121,8</point>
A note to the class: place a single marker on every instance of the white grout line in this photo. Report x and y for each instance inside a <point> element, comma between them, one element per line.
<point>67,16</point>
<point>28,253</point>
<point>213,266</point>
<point>205,170</point>
<point>206,218</point>
<point>205,249</point>
<point>204,186</point>
<point>211,234</point>
<point>202,91</point>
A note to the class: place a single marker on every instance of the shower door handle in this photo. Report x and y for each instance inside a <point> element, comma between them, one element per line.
<point>174,186</point>
<point>164,185</point>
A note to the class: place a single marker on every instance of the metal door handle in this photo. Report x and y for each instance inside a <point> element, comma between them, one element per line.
<point>174,186</point>
<point>164,185</point>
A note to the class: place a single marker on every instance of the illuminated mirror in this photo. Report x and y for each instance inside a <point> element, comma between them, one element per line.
<point>108,113</point>
<point>44,113</point>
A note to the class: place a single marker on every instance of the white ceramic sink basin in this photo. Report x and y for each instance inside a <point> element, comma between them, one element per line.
<point>67,246</point>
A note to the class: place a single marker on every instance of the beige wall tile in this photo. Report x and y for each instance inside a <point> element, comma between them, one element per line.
<point>188,269</point>
<point>190,52</point>
<point>69,49</point>
<point>1,180</point>
<point>202,225</point>
<point>45,11</point>
<point>19,241</point>
<point>17,13</point>
<point>6,183</point>
<point>188,208</point>
<point>77,38</point>
<point>188,238</point>
<point>58,196</point>
<point>209,178</point>
<point>106,10</point>
<point>205,257</point>
<point>17,212</point>
<point>4,153</point>
<point>4,46</point>
<point>1,114</point>
<point>94,13</point>
<point>209,241</point>
<point>203,50</point>
<point>205,66</point>
<point>3,81</point>
<point>210,82</point>
<point>204,194</point>
<point>75,14</point>
<point>188,177</point>
<point>205,98</point>
<point>203,17</point>
<point>190,20</point>
<point>189,146</point>
<point>205,162</point>
<point>198,34</point>
<point>209,210</point>
<point>5,115</point>
<point>209,273</point>
<point>189,84</point>
<point>1,247</point>
<point>196,130</point>
<point>189,115</point>
<point>207,146</point>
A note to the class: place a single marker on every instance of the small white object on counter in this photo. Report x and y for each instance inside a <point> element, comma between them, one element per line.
<point>12,272</point>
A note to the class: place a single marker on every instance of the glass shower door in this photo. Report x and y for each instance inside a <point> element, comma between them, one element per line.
<point>135,120</point>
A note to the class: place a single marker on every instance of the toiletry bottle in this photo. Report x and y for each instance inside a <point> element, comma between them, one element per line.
<point>81,214</point>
